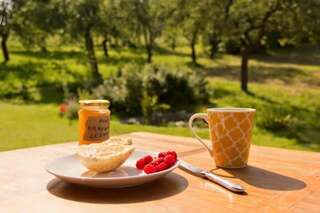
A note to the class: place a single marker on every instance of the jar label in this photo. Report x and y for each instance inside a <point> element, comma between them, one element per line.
<point>97,128</point>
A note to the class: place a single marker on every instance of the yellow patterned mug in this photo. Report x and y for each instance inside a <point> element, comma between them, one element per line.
<point>230,133</point>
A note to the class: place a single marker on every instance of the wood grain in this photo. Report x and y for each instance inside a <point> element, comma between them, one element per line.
<point>275,180</point>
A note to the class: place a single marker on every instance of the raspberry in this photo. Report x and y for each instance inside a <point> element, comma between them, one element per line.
<point>169,160</point>
<point>160,160</point>
<point>147,159</point>
<point>149,169</point>
<point>161,166</point>
<point>162,154</point>
<point>140,163</point>
<point>172,153</point>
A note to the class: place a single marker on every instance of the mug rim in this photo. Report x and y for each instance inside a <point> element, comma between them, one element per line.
<point>231,109</point>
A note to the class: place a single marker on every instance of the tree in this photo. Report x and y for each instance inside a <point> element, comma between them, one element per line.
<point>301,20</point>
<point>82,18</point>
<point>111,23</point>
<point>193,16</point>
<point>172,33</point>
<point>5,15</point>
<point>151,16</point>
<point>249,21</point>
<point>37,20</point>
<point>213,31</point>
<point>8,8</point>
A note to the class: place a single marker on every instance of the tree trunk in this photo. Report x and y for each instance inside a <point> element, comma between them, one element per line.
<point>149,46</point>
<point>43,49</point>
<point>173,44</point>
<point>4,47</point>
<point>96,77</point>
<point>148,41</point>
<point>149,51</point>
<point>42,45</point>
<point>214,42</point>
<point>212,52</point>
<point>193,46</point>
<point>244,69</point>
<point>193,52</point>
<point>105,47</point>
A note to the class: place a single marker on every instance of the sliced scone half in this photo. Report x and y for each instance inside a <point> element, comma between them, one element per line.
<point>105,156</point>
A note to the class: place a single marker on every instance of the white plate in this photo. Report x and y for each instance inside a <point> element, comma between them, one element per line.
<point>70,169</point>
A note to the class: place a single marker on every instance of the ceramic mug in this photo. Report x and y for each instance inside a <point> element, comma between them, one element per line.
<point>230,133</point>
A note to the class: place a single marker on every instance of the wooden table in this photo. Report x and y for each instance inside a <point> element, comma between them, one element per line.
<point>276,180</point>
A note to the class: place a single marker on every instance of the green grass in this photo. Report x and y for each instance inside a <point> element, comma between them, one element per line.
<point>35,125</point>
<point>284,84</point>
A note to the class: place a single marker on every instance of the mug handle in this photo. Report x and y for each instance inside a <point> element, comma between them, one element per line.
<point>204,117</point>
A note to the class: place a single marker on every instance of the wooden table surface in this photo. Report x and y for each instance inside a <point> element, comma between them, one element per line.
<point>275,180</point>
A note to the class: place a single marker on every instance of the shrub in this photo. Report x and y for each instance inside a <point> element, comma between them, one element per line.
<point>124,90</point>
<point>152,90</point>
<point>277,119</point>
<point>180,88</point>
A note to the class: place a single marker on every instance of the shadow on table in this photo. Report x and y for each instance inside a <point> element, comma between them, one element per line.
<point>165,187</point>
<point>265,179</point>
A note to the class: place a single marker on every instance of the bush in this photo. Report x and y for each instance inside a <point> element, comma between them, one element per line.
<point>152,90</point>
<point>180,88</point>
<point>277,120</point>
<point>123,90</point>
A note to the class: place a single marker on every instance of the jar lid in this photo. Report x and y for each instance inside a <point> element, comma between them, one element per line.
<point>98,102</point>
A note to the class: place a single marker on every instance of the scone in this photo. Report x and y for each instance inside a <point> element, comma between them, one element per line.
<point>105,156</point>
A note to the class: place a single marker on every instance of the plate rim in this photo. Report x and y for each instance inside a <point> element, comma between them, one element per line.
<point>112,178</point>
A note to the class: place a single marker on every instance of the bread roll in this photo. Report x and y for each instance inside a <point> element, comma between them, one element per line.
<point>105,156</point>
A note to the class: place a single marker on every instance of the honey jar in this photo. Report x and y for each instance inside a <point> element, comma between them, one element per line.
<point>94,121</point>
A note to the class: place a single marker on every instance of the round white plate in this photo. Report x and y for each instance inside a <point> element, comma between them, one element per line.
<point>70,169</point>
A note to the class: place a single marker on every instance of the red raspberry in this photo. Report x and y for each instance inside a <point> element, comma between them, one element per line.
<point>172,153</point>
<point>147,159</point>
<point>169,160</point>
<point>157,161</point>
<point>161,166</point>
<point>162,154</point>
<point>140,163</point>
<point>149,169</point>
<point>160,160</point>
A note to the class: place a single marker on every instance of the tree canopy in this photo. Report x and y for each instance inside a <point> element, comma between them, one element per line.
<point>248,25</point>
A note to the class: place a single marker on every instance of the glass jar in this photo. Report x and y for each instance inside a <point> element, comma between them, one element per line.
<point>94,121</point>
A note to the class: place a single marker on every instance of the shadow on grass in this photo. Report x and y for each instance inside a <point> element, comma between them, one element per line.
<point>140,57</point>
<point>222,92</point>
<point>166,51</point>
<point>301,56</point>
<point>260,74</point>
<point>56,54</point>
<point>122,60</point>
<point>195,65</point>
<point>28,81</point>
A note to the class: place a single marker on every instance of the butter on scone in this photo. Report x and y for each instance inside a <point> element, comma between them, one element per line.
<point>105,156</point>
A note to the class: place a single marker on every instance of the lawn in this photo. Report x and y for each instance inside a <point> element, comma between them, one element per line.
<point>284,89</point>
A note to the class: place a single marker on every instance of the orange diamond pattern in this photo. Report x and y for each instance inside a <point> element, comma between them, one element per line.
<point>231,136</point>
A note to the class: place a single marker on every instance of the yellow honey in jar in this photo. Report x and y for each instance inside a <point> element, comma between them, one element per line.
<point>94,121</point>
